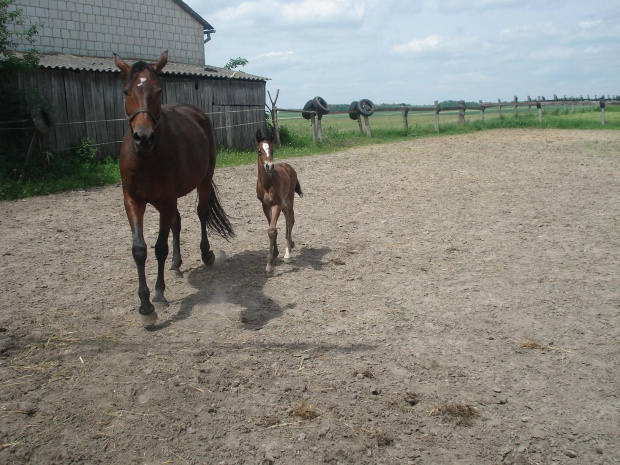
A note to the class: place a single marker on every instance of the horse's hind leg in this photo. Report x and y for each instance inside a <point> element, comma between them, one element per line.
<point>204,194</point>
<point>289,215</point>
<point>176,243</point>
<point>167,217</point>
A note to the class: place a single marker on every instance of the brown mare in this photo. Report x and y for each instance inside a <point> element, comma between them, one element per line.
<point>275,188</point>
<point>168,151</point>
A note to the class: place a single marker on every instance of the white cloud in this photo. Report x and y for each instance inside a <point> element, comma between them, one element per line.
<point>317,11</point>
<point>432,42</point>
<point>590,24</point>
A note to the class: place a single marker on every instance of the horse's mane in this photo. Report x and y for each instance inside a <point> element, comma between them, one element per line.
<point>140,66</point>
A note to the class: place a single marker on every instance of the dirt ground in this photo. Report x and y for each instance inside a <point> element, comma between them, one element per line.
<point>450,300</point>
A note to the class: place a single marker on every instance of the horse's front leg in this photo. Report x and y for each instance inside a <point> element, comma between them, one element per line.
<point>135,214</point>
<point>176,244</point>
<point>167,216</point>
<point>272,232</point>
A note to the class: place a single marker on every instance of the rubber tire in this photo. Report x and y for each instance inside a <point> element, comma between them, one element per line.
<point>41,119</point>
<point>353,114</point>
<point>309,106</point>
<point>321,106</point>
<point>365,107</point>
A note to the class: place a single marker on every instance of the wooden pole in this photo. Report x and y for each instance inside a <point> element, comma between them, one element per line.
<point>437,110</point>
<point>367,124</point>
<point>499,107</point>
<point>359,122</point>
<point>539,106</point>
<point>274,117</point>
<point>313,122</point>
<point>462,112</point>
<point>602,103</point>
<point>319,125</point>
<point>405,112</point>
<point>481,110</point>
<point>529,107</point>
<point>516,106</point>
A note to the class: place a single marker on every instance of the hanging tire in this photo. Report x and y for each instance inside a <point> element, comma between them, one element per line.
<point>353,114</point>
<point>321,106</point>
<point>365,107</point>
<point>41,119</point>
<point>309,106</point>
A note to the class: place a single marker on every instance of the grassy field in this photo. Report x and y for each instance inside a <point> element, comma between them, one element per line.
<point>339,132</point>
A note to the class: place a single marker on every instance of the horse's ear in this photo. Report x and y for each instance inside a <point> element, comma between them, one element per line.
<point>259,136</point>
<point>124,67</point>
<point>163,59</point>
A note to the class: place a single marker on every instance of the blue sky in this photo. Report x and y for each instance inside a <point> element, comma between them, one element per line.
<point>419,51</point>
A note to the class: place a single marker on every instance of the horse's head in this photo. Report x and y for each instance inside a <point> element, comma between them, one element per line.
<point>142,99</point>
<point>264,148</point>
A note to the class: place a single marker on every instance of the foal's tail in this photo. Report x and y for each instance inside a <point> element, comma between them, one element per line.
<point>217,220</point>
<point>298,189</point>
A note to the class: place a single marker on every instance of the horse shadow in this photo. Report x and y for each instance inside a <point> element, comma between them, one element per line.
<point>240,280</point>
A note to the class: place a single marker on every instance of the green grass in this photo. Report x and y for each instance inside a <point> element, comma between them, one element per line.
<point>339,132</point>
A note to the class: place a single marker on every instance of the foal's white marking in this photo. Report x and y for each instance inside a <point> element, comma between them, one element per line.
<point>266,149</point>
<point>142,80</point>
<point>287,253</point>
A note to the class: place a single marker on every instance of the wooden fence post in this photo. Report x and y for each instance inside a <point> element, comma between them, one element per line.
<point>529,107</point>
<point>359,122</point>
<point>602,103</point>
<point>462,108</point>
<point>319,126</point>
<point>367,124</point>
<point>482,107</point>
<point>500,107</point>
<point>274,117</point>
<point>539,106</point>
<point>516,106</point>
<point>313,122</point>
<point>405,112</point>
<point>437,110</point>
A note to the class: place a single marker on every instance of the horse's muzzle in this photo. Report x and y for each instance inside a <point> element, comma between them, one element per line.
<point>269,168</point>
<point>144,139</point>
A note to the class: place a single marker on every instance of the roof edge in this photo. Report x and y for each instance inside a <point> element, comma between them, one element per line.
<point>193,14</point>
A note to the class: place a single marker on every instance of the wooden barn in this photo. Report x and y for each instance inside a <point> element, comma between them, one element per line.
<point>81,88</point>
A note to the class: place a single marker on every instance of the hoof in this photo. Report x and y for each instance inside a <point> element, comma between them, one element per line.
<point>176,273</point>
<point>208,258</point>
<point>148,321</point>
<point>287,254</point>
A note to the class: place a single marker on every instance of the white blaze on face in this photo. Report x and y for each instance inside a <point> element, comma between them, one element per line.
<point>266,149</point>
<point>142,80</point>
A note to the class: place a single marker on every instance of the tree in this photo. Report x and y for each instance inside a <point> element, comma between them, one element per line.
<point>12,34</point>
<point>234,62</point>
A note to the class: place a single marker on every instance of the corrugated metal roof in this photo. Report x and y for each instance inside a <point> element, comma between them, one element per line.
<point>83,63</point>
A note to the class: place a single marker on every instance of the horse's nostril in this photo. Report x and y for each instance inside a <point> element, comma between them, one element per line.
<point>136,137</point>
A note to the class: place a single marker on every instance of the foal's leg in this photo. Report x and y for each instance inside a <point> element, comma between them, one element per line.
<point>176,243</point>
<point>289,215</point>
<point>272,232</point>
<point>167,214</point>
<point>267,210</point>
<point>135,214</point>
<point>204,194</point>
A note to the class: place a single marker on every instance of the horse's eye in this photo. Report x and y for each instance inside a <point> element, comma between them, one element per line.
<point>126,92</point>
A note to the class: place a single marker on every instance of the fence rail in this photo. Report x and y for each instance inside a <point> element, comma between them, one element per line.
<point>540,103</point>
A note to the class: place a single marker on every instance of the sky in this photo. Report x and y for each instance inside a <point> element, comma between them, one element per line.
<point>419,51</point>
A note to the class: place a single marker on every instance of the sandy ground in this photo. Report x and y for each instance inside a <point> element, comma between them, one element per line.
<point>450,300</point>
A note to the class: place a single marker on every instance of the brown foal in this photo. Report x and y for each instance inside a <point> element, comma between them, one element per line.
<point>275,188</point>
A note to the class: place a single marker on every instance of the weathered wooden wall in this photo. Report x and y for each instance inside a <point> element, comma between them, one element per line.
<point>90,104</point>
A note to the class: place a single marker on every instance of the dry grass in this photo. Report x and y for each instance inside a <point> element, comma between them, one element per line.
<point>305,411</point>
<point>462,413</point>
<point>537,346</point>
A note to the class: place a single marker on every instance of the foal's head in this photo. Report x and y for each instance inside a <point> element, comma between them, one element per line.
<point>142,99</point>
<point>264,147</point>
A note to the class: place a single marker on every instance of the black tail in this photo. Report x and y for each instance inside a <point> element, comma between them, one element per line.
<point>298,189</point>
<point>217,220</point>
